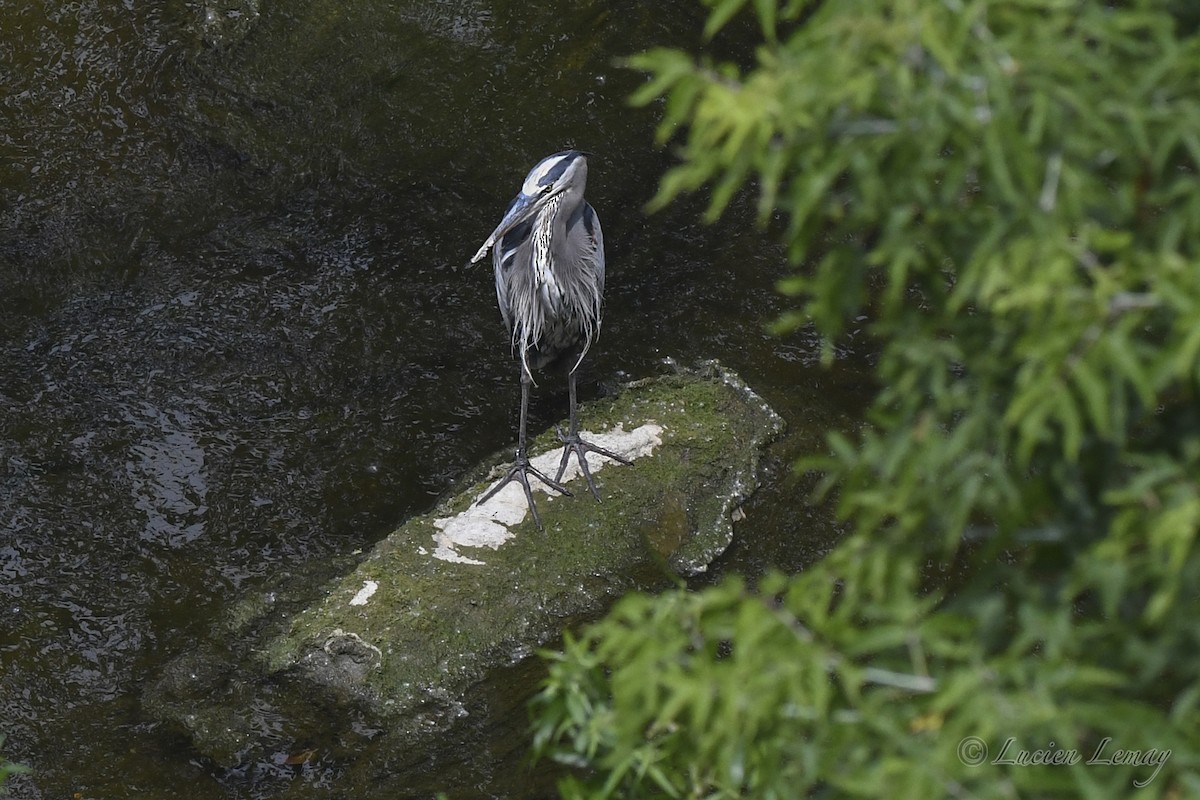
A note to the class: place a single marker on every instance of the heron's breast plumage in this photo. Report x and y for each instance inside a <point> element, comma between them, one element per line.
<point>550,293</point>
<point>546,283</point>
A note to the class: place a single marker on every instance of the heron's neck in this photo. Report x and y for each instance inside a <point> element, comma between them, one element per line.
<point>544,232</point>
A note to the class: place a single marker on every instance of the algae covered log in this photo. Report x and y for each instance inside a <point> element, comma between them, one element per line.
<point>465,588</point>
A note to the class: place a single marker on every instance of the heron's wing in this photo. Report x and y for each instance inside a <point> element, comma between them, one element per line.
<point>591,226</point>
<point>584,277</point>
<point>510,260</point>
<point>588,253</point>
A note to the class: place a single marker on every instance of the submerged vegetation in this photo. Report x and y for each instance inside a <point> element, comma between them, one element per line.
<point>8,768</point>
<point>1008,192</point>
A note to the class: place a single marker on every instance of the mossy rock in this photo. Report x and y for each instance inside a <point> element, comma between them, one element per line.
<point>455,593</point>
<point>421,632</point>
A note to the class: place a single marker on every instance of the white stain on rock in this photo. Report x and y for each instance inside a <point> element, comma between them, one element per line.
<point>364,594</point>
<point>488,525</point>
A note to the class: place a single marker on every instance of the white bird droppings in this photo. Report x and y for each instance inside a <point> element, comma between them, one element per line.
<point>364,594</point>
<point>487,525</point>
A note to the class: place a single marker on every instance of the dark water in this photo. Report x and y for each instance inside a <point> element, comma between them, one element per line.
<point>237,341</point>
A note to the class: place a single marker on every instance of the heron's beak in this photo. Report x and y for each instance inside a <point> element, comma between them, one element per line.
<point>522,208</point>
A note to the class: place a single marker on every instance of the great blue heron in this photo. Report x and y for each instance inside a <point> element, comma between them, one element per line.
<point>548,256</point>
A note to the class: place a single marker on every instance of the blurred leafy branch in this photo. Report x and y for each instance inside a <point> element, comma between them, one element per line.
<point>1008,191</point>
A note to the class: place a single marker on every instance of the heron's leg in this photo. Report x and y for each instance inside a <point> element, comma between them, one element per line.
<point>573,444</point>
<point>521,470</point>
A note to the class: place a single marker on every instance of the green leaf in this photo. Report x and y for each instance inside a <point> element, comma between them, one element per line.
<point>722,12</point>
<point>766,16</point>
<point>1095,396</point>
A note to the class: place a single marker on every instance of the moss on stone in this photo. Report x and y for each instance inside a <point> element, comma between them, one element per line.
<point>433,627</point>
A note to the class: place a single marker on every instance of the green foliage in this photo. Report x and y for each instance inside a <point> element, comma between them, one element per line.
<point>1008,192</point>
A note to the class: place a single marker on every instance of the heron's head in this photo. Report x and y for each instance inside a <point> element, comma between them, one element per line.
<point>561,173</point>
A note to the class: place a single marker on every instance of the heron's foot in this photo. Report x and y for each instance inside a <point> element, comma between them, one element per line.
<point>573,444</point>
<point>520,473</point>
